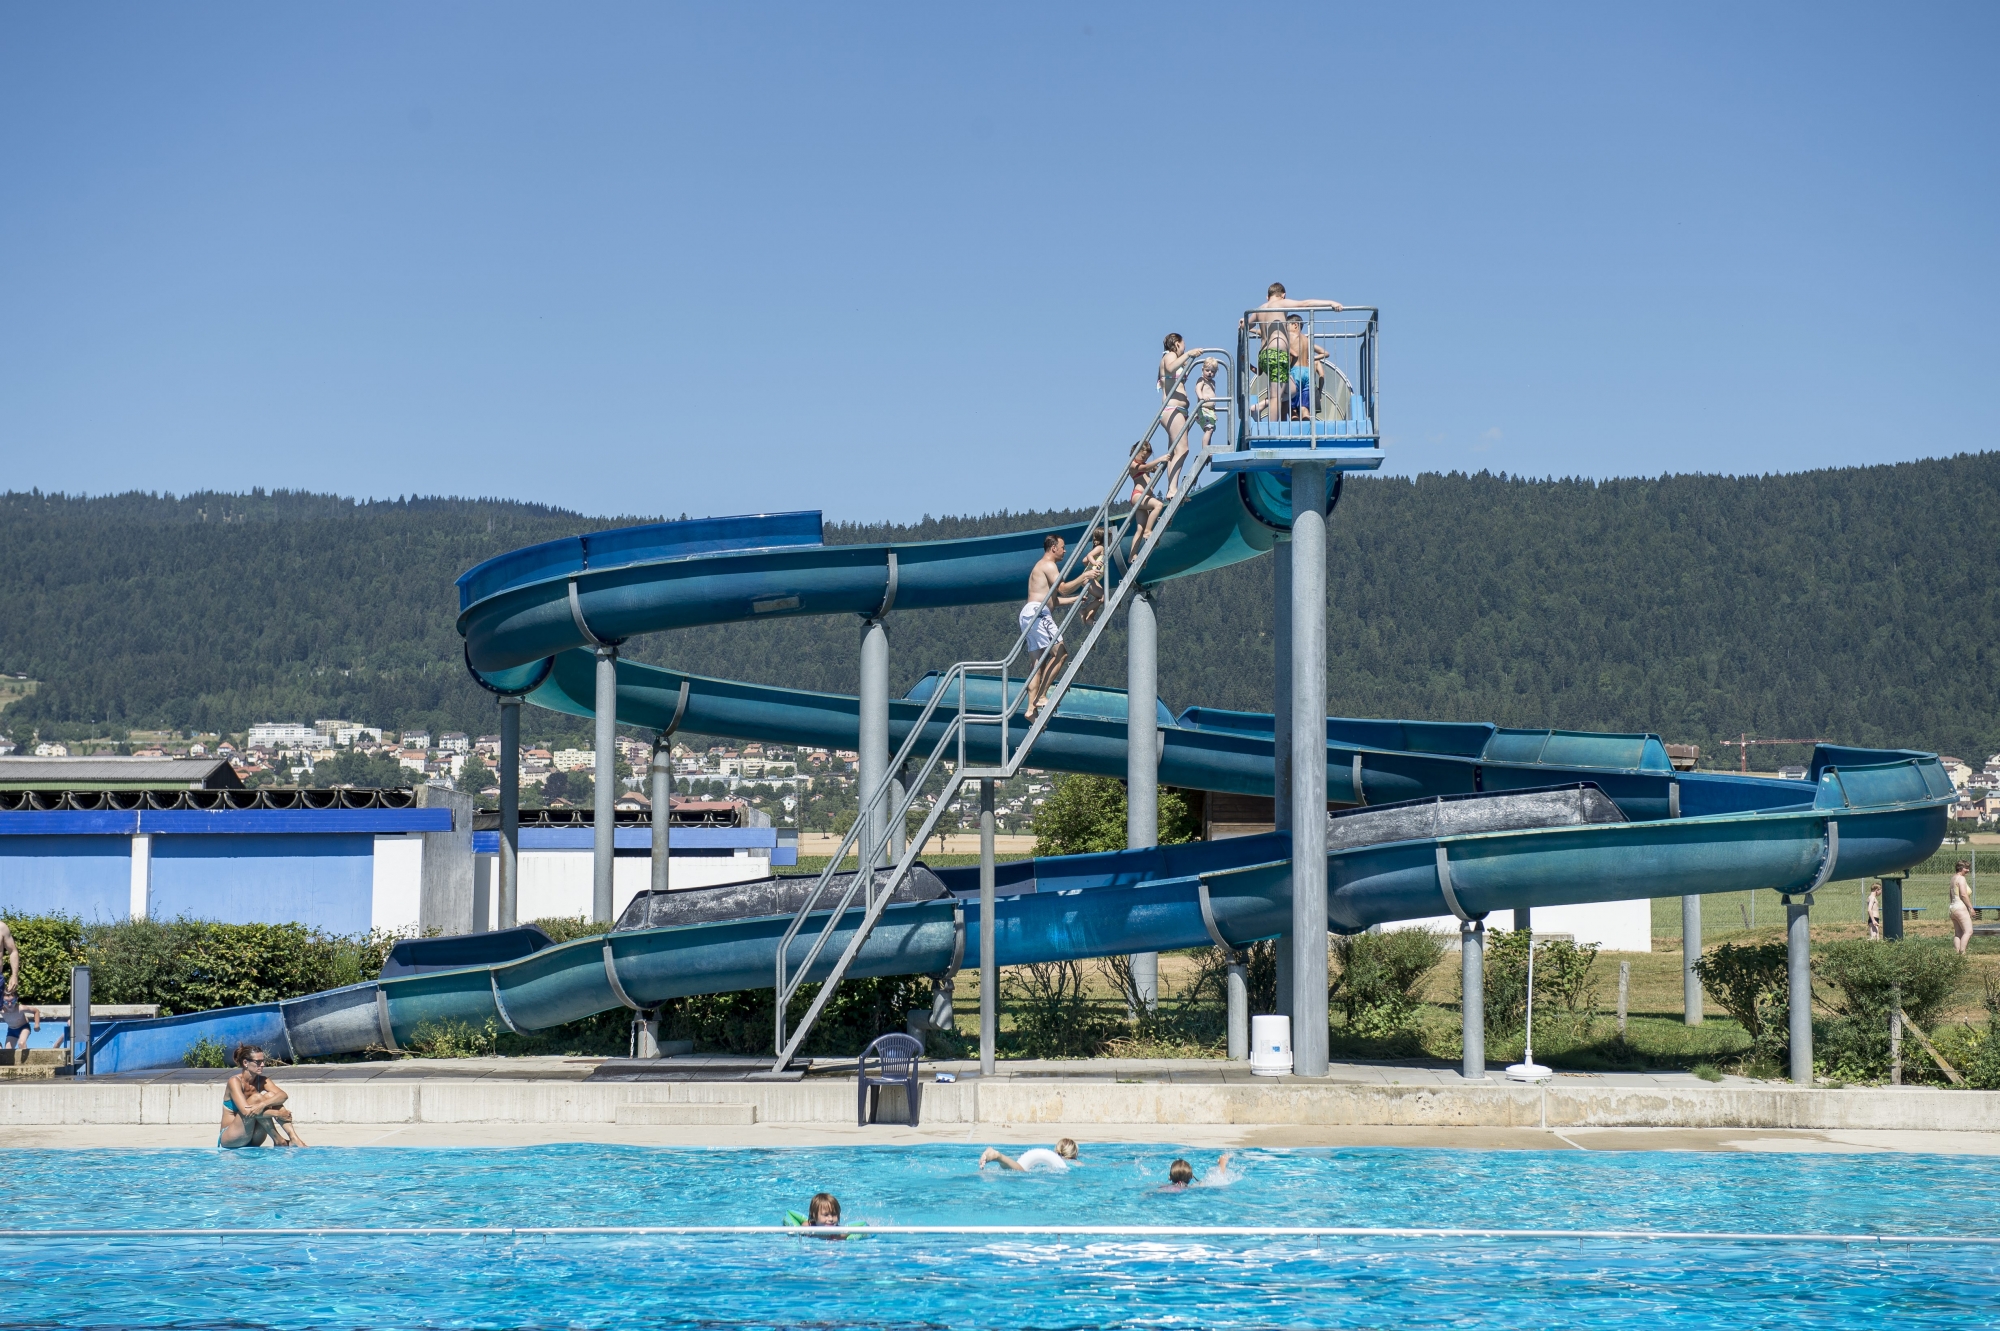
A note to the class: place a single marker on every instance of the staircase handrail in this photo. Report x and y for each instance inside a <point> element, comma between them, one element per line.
<point>788,980</point>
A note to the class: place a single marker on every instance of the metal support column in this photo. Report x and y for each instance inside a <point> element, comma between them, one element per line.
<point>1237,980</point>
<point>1892,908</point>
<point>1524,921</point>
<point>899,827</point>
<point>1281,732</point>
<point>510,812</point>
<point>873,745</point>
<point>989,968</point>
<point>80,1053</point>
<point>1798,962</point>
<point>1472,999</point>
<point>661,769</point>
<point>1308,793</point>
<point>1142,762</point>
<point>604,815</point>
<point>1690,954</point>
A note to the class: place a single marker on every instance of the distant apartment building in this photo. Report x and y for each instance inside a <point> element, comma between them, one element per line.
<point>413,759</point>
<point>454,741</point>
<point>7,746</point>
<point>636,752</point>
<point>48,750</point>
<point>345,734</point>
<point>417,739</point>
<point>275,734</point>
<point>572,760</point>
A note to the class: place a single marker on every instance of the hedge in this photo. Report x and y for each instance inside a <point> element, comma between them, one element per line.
<point>188,965</point>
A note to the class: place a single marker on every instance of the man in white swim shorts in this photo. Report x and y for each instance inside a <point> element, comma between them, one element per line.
<point>1038,621</point>
<point>1040,1157</point>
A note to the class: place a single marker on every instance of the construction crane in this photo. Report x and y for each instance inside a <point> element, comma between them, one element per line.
<point>1746,743</point>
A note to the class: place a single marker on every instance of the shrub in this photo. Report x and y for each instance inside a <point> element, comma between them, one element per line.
<point>1866,980</point>
<point>454,1039</point>
<point>206,1053</point>
<point>1565,987</point>
<point>1751,982</point>
<point>1380,975</point>
<point>1087,813</point>
<point>1053,1015</point>
<point>1188,1022</point>
<point>50,945</point>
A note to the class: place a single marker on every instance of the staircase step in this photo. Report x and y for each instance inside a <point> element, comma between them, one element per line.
<point>686,1113</point>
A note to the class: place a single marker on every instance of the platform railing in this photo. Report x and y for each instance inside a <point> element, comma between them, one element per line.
<point>1306,376</point>
<point>1123,556</point>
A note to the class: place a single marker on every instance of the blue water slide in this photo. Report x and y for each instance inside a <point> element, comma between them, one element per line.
<point>524,616</point>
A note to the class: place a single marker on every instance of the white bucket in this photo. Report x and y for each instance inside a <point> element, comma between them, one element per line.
<point>1271,1046</point>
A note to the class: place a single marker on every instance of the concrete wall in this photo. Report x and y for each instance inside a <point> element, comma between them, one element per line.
<point>558,883</point>
<point>86,876</point>
<point>323,881</point>
<point>1021,1101</point>
<point>446,896</point>
<point>397,882</point>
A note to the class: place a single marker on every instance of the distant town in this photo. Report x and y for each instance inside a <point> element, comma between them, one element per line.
<point>809,788</point>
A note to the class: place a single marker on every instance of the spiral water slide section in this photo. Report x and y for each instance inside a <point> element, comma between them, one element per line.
<point>1441,819</point>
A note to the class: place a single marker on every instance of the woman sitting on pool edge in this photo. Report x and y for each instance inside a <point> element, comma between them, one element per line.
<point>1041,1157</point>
<point>253,1112</point>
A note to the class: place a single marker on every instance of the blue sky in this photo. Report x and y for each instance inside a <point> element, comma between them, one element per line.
<point>895,260</point>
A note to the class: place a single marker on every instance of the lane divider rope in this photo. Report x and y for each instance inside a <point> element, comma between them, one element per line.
<point>1028,1231</point>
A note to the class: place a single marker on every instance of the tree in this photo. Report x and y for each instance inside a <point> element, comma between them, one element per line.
<point>575,788</point>
<point>473,778</point>
<point>373,771</point>
<point>1087,813</point>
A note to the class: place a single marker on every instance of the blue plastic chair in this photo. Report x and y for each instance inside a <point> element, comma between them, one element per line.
<point>898,1060</point>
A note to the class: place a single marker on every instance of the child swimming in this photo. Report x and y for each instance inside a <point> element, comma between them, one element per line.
<point>1039,1157</point>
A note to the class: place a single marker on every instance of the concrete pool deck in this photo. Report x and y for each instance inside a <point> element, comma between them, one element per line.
<point>712,1101</point>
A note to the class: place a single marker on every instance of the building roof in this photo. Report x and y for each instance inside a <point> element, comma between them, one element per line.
<point>18,773</point>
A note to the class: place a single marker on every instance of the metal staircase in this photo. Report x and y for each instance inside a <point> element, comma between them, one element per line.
<point>874,890</point>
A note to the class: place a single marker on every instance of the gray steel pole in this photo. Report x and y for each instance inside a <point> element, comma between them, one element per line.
<point>1524,920</point>
<point>1798,960</point>
<point>873,745</point>
<point>1142,762</point>
<point>662,772</point>
<point>1281,732</point>
<point>1238,981</point>
<point>80,1053</point>
<point>1308,794</point>
<point>899,826</point>
<point>989,968</point>
<point>510,812</point>
<point>1472,998</point>
<point>1892,908</point>
<point>604,816</point>
<point>1690,954</point>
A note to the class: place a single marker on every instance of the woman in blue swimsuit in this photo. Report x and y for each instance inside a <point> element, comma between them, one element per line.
<point>253,1107</point>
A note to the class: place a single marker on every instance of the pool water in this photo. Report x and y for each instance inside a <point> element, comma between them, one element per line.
<point>764,1280</point>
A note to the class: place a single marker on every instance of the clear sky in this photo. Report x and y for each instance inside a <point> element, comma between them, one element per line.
<point>888,260</point>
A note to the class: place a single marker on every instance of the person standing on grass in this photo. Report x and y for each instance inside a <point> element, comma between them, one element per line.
<point>1961,908</point>
<point>1875,909</point>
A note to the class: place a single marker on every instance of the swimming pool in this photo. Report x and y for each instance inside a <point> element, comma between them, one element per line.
<point>1025,1281</point>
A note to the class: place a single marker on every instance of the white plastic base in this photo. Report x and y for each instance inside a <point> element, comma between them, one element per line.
<point>1529,1072</point>
<point>1271,1046</point>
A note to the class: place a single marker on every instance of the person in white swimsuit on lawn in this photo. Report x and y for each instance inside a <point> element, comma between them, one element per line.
<point>1172,381</point>
<point>1040,1157</point>
<point>1961,908</point>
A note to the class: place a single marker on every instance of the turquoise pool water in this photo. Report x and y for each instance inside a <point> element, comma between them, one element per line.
<point>1007,1282</point>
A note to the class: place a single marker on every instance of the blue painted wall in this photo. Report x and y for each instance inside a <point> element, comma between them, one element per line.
<point>322,880</point>
<point>85,876</point>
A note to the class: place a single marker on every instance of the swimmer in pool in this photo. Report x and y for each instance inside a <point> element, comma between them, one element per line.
<point>1040,1157</point>
<point>822,1212</point>
<point>1180,1176</point>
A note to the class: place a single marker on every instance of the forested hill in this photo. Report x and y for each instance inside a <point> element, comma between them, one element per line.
<point>1856,604</point>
